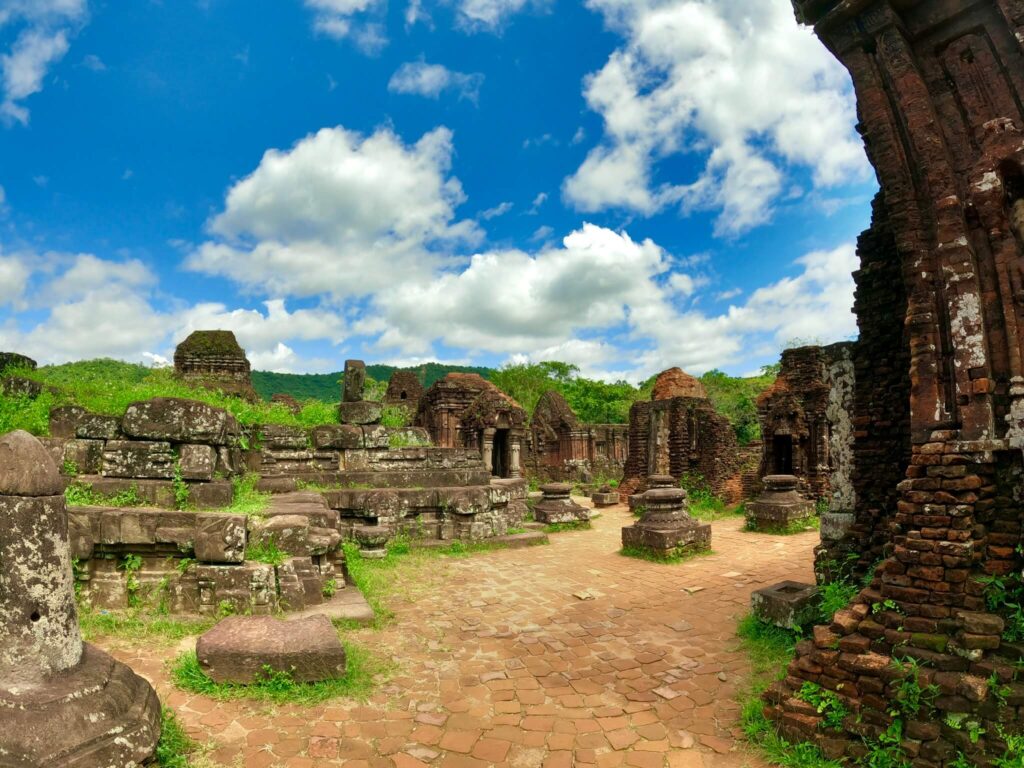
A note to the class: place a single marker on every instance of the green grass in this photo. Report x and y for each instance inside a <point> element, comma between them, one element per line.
<point>770,650</point>
<point>140,624</point>
<point>245,499</point>
<point>790,529</point>
<point>109,387</point>
<point>361,671</point>
<point>79,494</point>
<point>680,557</point>
<point>265,551</point>
<point>175,747</point>
<point>579,525</point>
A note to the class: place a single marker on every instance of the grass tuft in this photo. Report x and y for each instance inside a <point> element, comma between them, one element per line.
<point>175,748</point>
<point>579,525</point>
<point>139,624</point>
<point>681,556</point>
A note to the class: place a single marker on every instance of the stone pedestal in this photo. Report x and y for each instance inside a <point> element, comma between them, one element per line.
<point>359,412</point>
<point>779,506</point>
<point>557,506</point>
<point>605,497</point>
<point>64,702</point>
<point>666,530</point>
<point>788,604</point>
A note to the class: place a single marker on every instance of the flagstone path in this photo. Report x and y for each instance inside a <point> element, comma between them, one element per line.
<point>501,663</point>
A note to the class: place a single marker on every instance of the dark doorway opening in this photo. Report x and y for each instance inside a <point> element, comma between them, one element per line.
<point>499,456</point>
<point>403,396</point>
<point>782,449</point>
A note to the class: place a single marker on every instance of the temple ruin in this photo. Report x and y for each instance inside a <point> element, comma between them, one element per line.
<point>404,390</point>
<point>215,360</point>
<point>464,410</point>
<point>806,421</point>
<point>679,433</point>
<point>939,393</point>
<point>561,448</point>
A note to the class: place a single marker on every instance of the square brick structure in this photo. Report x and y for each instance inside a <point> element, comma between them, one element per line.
<point>214,359</point>
<point>939,393</point>
<point>561,448</point>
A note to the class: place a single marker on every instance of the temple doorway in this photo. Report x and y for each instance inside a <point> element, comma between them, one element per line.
<point>782,449</point>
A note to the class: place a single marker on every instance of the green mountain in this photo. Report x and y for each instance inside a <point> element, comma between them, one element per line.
<point>327,386</point>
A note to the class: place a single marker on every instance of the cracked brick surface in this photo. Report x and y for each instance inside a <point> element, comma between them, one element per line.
<point>500,664</point>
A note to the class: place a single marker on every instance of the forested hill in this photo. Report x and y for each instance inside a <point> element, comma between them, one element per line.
<point>327,386</point>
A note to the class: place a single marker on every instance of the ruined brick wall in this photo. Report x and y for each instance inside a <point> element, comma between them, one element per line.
<point>215,359</point>
<point>939,88</point>
<point>559,448</point>
<point>684,437</point>
<point>404,389</point>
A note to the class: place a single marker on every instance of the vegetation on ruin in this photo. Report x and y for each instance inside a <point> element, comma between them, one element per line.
<point>327,386</point>
<point>599,402</point>
<point>362,672</point>
<point>108,387</point>
<point>395,416</point>
<point>680,555</point>
<point>175,748</point>
<point>702,503</point>
<point>245,498</point>
<point>79,494</point>
<point>791,528</point>
<point>1004,595</point>
<point>139,624</point>
<point>576,525</point>
<point>265,551</point>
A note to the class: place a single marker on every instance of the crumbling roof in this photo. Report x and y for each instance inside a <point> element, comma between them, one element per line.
<point>675,382</point>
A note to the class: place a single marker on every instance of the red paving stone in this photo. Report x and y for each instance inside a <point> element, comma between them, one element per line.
<point>500,665</point>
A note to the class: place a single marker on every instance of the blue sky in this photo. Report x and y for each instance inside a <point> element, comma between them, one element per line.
<point>623,184</point>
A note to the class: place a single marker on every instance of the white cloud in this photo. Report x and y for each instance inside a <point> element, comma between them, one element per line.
<point>340,19</point>
<point>737,80</point>
<point>14,274</point>
<point>491,15</point>
<point>499,210</point>
<point>93,62</point>
<point>430,80</point>
<point>88,273</point>
<point>322,217</point>
<point>512,301</point>
<point>538,201</point>
<point>43,40</point>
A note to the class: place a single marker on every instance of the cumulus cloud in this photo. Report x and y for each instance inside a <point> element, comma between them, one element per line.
<point>14,274</point>
<point>431,80</point>
<point>491,15</point>
<point>322,217</point>
<point>512,300</point>
<point>99,307</point>
<point>341,19</point>
<point>45,29</point>
<point>736,80</point>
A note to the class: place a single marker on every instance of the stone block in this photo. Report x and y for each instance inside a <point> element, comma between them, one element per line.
<point>218,493</point>
<point>19,386</point>
<point>605,499</point>
<point>197,462</point>
<point>289,532</point>
<point>354,382</point>
<point>340,437</point>
<point>180,421</point>
<point>788,604</point>
<point>835,525</point>
<point>239,648</point>
<point>93,426</point>
<point>64,420</point>
<point>142,459</point>
<point>220,537</point>
<point>362,412</point>
<point>86,456</point>
<point>779,505</point>
<point>283,437</point>
<point>14,360</point>
<point>244,588</point>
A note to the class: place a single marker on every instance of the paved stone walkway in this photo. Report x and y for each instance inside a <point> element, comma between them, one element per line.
<point>501,663</point>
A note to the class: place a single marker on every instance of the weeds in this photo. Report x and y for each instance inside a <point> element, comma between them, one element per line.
<point>265,551</point>
<point>576,525</point>
<point>175,747</point>
<point>139,625</point>
<point>679,555</point>
<point>79,494</point>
